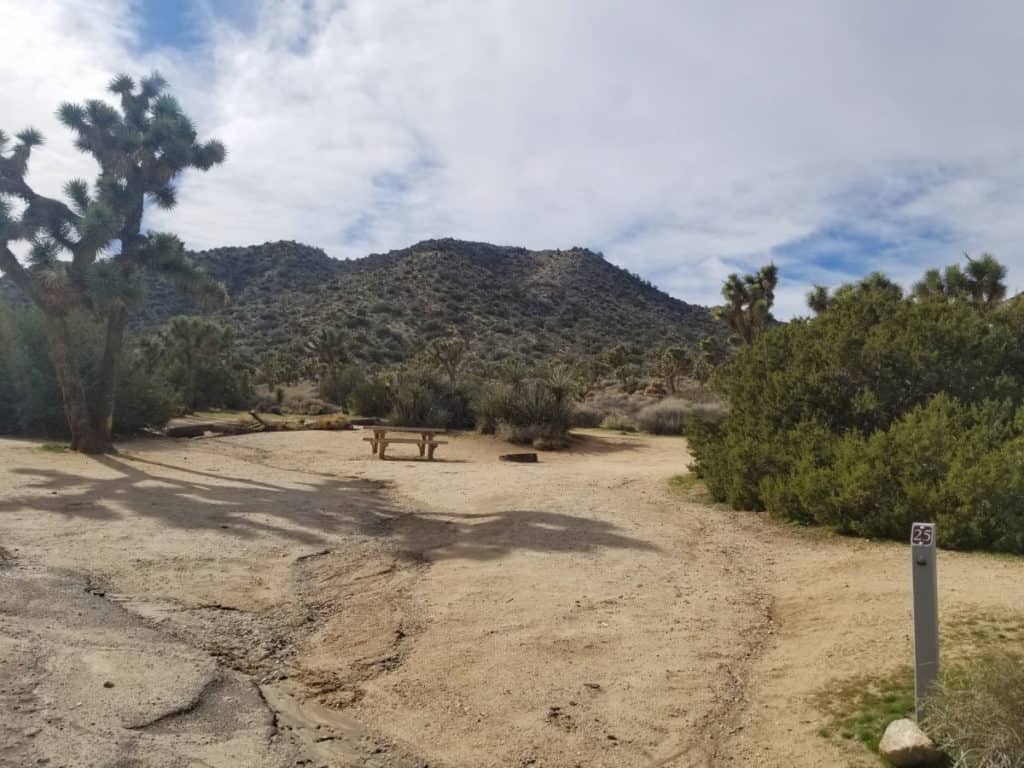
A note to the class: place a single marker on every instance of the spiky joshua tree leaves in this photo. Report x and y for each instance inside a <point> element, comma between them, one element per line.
<point>674,363</point>
<point>981,283</point>
<point>449,355</point>
<point>328,350</point>
<point>749,301</point>
<point>141,148</point>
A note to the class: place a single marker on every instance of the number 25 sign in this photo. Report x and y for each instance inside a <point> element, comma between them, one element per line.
<point>922,534</point>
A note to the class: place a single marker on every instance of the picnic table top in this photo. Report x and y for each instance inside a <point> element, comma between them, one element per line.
<point>415,430</point>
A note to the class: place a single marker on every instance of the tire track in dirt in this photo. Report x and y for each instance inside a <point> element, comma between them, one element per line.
<point>746,563</point>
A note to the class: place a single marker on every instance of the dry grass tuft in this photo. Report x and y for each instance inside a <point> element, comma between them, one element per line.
<point>977,717</point>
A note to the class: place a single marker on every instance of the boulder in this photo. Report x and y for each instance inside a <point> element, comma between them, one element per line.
<point>904,744</point>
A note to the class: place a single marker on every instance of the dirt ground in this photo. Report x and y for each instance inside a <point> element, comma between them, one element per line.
<point>287,600</point>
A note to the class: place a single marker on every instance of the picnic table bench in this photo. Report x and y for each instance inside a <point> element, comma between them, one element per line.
<point>426,441</point>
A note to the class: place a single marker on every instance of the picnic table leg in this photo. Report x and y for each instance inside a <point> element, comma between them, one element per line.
<point>380,451</point>
<point>430,452</point>
<point>373,447</point>
<point>422,447</point>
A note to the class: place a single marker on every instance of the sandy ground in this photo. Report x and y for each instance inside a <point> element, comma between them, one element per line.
<point>287,600</point>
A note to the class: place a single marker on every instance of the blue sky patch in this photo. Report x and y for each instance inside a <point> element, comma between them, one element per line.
<point>164,24</point>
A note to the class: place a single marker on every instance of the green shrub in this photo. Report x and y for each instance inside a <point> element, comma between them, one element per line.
<point>879,412</point>
<point>371,398</point>
<point>960,466</point>
<point>143,399</point>
<point>526,411</point>
<point>339,386</point>
<point>419,399</point>
<point>978,712</point>
<point>30,399</point>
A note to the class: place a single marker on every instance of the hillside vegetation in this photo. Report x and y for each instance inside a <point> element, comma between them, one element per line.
<point>507,302</point>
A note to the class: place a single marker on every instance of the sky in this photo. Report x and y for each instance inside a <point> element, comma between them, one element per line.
<point>684,140</point>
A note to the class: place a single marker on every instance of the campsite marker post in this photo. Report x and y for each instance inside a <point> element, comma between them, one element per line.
<point>926,613</point>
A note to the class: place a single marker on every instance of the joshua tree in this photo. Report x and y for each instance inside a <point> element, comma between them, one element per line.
<point>982,283</point>
<point>818,299</point>
<point>449,355</point>
<point>673,363</point>
<point>749,302</point>
<point>140,149</point>
<point>617,356</point>
<point>618,360</point>
<point>193,341</point>
<point>269,371</point>
<point>328,349</point>
<point>589,373</point>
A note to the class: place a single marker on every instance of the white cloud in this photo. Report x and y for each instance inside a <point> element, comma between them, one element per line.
<point>685,140</point>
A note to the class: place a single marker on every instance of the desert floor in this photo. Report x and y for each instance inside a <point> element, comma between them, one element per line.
<point>285,599</point>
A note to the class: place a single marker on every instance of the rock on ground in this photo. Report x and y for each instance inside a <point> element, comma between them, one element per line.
<point>905,744</point>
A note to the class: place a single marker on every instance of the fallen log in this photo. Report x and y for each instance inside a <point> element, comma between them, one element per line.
<point>320,422</point>
<point>196,429</point>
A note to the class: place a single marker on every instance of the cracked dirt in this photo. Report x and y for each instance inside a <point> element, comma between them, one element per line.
<point>285,599</point>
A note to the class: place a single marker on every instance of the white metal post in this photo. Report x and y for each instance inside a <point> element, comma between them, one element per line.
<point>926,613</point>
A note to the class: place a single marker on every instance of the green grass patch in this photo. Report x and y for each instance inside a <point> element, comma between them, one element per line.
<point>860,708</point>
<point>53,448</point>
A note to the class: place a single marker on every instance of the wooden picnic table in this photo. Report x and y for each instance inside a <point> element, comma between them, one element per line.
<point>426,441</point>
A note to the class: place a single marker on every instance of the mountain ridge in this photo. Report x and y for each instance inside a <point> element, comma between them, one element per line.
<point>506,300</point>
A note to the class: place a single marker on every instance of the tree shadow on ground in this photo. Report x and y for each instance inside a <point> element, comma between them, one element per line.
<point>587,444</point>
<point>490,535</point>
<point>314,510</point>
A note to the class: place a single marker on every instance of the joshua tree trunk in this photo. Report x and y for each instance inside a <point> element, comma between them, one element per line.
<point>103,415</point>
<point>84,435</point>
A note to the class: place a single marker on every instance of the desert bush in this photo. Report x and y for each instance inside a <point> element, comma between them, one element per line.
<point>674,416</point>
<point>371,398</point>
<point>338,385</point>
<point>529,411</point>
<point>585,416</point>
<point>607,402</point>
<point>619,421</point>
<point>313,407</point>
<point>30,398</point>
<point>418,399</point>
<point>978,712</point>
<point>879,411</point>
<point>143,399</point>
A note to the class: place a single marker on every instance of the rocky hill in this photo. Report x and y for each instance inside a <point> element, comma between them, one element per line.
<point>507,301</point>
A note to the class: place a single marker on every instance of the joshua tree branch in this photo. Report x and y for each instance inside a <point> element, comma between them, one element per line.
<point>13,268</point>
